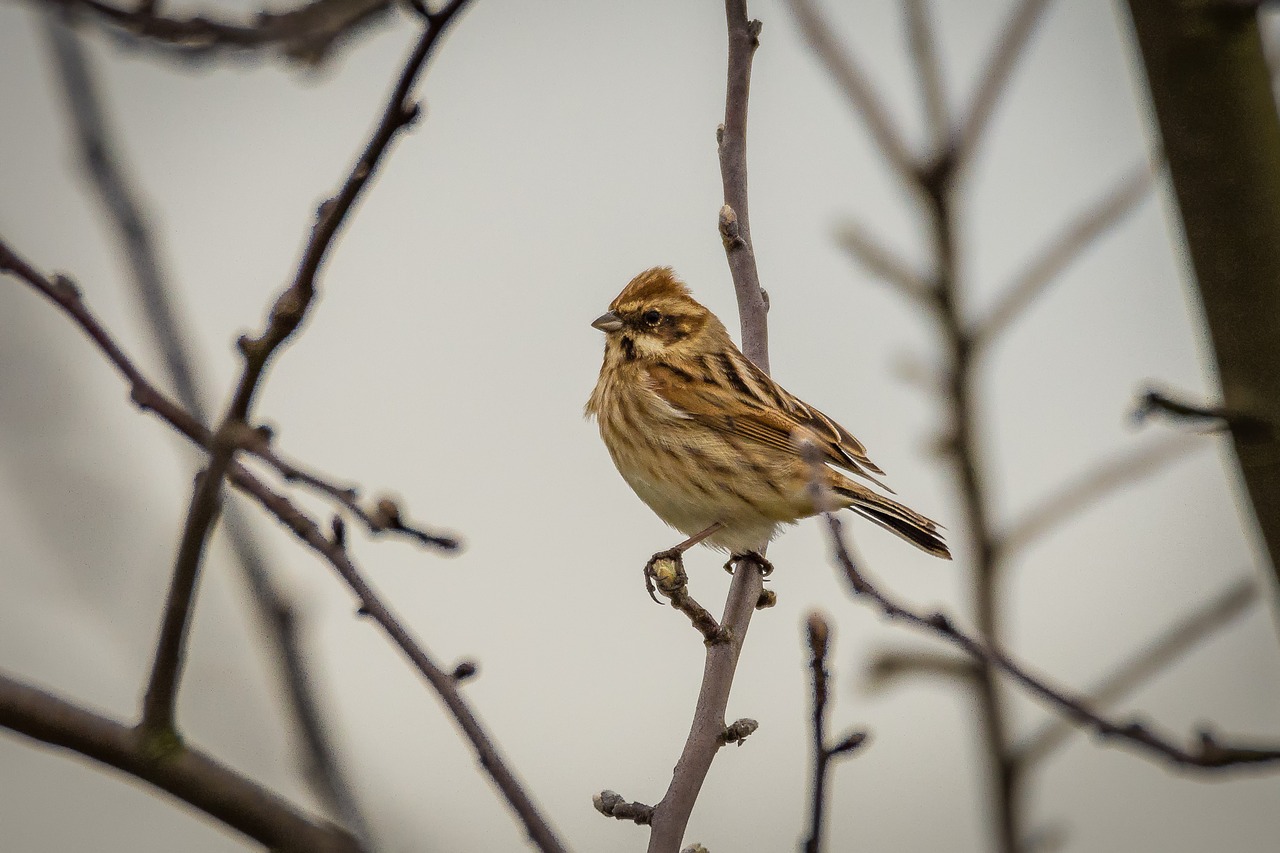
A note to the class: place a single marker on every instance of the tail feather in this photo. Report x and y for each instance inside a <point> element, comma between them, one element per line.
<point>896,518</point>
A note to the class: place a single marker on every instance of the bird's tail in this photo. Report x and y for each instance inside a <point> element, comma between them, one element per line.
<point>895,517</point>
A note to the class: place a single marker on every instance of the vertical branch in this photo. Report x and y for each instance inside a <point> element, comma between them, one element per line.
<point>671,815</point>
<point>735,226</point>
<point>125,212</point>
<point>819,636</point>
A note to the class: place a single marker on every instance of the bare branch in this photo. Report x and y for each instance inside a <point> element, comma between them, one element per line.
<point>855,86</point>
<point>884,263</point>
<point>1206,754</point>
<point>819,637</point>
<point>889,666</point>
<point>1092,486</point>
<point>1193,629</point>
<point>924,52</point>
<point>1246,427</point>
<point>307,34</point>
<point>735,223</point>
<point>995,76</point>
<point>441,680</point>
<point>1081,233</point>
<point>166,671</point>
<point>188,774</point>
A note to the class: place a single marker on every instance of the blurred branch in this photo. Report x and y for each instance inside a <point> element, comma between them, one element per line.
<point>1211,90</point>
<point>924,52</point>
<point>671,815</point>
<point>1244,426</point>
<point>1206,754</point>
<point>818,631</point>
<point>858,91</point>
<point>189,775</point>
<point>307,34</point>
<point>1071,242</point>
<point>1157,656</point>
<point>884,263</point>
<point>1091,487</point>
<point>892,665</point>
<point>995,76</point>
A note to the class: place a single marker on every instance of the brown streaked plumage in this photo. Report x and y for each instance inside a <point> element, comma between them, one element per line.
<point>705,437</point>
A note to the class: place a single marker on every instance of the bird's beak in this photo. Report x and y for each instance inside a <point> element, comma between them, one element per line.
<point>607,322</point>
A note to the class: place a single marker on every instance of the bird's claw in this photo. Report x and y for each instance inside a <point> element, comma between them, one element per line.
<point>766,568</point>
<point>651,574</point>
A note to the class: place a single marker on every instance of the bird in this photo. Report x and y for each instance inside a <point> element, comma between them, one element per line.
<point>712,444</point>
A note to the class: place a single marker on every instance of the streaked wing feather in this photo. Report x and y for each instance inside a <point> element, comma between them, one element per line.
<point>769,417</point>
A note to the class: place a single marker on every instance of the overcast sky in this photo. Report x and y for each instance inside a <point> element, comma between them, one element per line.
<point>564,148</point>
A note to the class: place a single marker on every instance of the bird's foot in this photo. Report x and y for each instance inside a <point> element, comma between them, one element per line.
<point>766,568</point>
<point>665,569</point>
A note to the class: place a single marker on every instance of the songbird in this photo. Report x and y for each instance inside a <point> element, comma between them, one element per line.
<point>715,447</point>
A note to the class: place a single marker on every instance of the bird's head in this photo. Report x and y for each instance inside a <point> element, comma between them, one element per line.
<point>655,317</point>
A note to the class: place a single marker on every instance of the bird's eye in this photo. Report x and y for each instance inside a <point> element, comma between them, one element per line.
<point>651,317</point>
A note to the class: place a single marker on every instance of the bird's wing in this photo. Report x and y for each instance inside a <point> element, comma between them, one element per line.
<point>736,397</point>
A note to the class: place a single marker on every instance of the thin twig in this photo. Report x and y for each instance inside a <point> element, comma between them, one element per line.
<point>818,632</point>
<point>442,680</point>
<point>1072,241</point>
<point>1246,427</point>
<point>189,775</point>
<point>158,704</point>
<point>889,666</point>
<point>928,64</point>
<point>735,221</point>
<point>1206,754</point>
<point>61,291</point>
<point>125,212</point>
<point>995,76</point>
<point>884,263</point>
<point>855,86</point>
<point>1092,486</point>
<point>1193,629</point>
<point>306,34</point>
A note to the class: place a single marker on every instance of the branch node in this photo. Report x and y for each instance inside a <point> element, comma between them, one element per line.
<point>848,743</point>
<point>730,234</point>
<point>753,30</point>
<point>339,528</point>
<point>768,598</point>
<point>614,805</point>
<point>65,289</point>
<point>464,670</point>
<point>737,731</point>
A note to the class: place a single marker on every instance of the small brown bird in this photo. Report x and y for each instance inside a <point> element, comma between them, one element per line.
<point>709,441</point>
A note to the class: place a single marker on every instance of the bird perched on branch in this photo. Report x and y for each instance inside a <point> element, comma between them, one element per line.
<point>715,447</point>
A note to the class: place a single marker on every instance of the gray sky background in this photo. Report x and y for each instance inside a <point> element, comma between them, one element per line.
<point>566,147</point>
